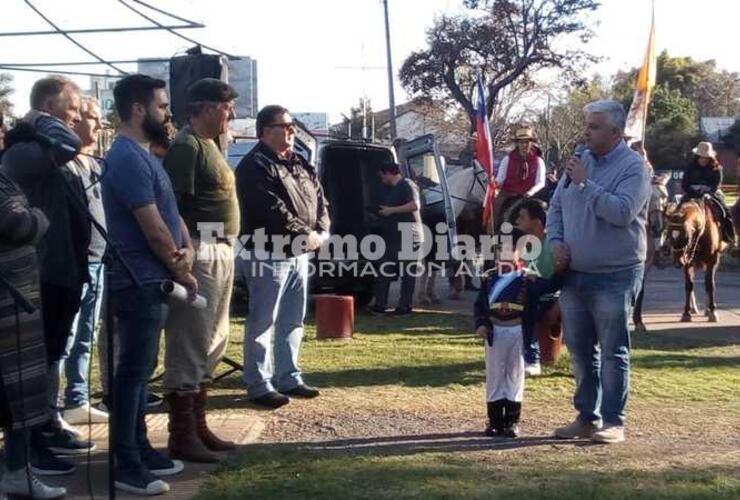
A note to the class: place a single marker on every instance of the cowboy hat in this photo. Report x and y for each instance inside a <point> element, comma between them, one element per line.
<point>705,150</point>
<point>524,134</point>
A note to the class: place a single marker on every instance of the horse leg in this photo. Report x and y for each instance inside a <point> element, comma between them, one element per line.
<point>710,288</point>
<point>688,276</point>
<point>637,312</point>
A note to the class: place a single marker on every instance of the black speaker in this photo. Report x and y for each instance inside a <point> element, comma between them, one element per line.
<point>185,70</point>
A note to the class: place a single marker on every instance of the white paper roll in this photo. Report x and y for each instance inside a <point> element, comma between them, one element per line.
<point>179,292</point>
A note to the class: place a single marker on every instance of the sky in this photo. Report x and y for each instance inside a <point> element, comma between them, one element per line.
<point>323,55</point>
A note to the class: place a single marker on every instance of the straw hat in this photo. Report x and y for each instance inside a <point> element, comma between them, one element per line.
<point>524,133</point>
<point>705,150</point>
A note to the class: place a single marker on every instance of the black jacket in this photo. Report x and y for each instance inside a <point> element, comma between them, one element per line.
<point>284,197</point>
<point>695,174</point>
<point>42,176</point>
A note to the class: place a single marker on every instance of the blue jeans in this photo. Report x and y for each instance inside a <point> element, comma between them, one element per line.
<point>77,353</point>
<point>141,313</point>
<point>595,310</point>
<point>274,328</point>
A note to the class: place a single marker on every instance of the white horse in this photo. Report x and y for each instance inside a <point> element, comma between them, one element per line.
<point>467,189</point>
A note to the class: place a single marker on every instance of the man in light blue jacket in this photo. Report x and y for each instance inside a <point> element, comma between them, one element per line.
<point>596,229</point>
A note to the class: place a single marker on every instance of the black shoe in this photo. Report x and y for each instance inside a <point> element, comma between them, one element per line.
<point>302,391</point>
<point>402,311</point>
<point>378,310</point>
<point>140,482</point>
<point>492,431</point>
<point>45,463</point>
<point>160,465</point>
<point>511,432</point>
<point>63,442</point>
<point>272,400</point>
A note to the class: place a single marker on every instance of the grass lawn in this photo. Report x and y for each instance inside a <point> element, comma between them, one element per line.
<point>401,415</point>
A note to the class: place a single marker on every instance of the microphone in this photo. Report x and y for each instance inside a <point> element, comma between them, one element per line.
<point>580,149</point>
<point>25,132</point>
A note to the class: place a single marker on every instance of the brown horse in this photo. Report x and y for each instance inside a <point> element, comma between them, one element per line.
<point>694,237</point>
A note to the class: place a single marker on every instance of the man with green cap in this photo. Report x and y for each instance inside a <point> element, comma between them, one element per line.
<point>196,339</point>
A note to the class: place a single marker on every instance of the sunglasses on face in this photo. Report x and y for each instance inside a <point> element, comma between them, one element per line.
<point>285,126</point>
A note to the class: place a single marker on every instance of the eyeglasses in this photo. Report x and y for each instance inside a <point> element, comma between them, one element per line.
<point>284,126</point>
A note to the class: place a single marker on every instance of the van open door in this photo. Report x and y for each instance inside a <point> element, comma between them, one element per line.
<point>420,160</point>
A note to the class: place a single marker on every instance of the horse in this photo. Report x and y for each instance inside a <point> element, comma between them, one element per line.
<point>467,189</point>
<point>655,227</point>
<point>695,239</point>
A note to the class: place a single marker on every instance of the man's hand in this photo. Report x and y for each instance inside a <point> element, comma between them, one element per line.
<point>561,256</point>
<point>576,170</point>
<point>482,332</point>
<point>183,258</point>
<point>313,241</point>
<point>385,210</point>
<point>190,283</point>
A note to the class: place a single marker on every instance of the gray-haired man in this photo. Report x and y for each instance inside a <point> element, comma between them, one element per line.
<point>596,225</point>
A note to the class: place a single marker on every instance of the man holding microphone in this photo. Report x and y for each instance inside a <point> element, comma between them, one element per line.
<point>596,229</point>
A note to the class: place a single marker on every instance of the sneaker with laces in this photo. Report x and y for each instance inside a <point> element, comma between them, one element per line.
<point>64,442</point>
<point>83,414</point>
<point>577,429</point>
<point>16,484</point>
<point>610,434</point>
<point>45,463</point>
<point>140,482</point>
<point>160,465</point>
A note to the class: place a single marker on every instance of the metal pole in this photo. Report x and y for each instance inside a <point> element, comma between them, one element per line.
<point>391,97</point>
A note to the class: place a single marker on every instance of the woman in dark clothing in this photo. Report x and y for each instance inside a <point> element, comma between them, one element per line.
<point>23,390</point>
<point>704,176</point>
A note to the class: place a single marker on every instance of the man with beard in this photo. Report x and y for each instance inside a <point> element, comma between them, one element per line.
<point>51,184</point>
<point>142,216</point>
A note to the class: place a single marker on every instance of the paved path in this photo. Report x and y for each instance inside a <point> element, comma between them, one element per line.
<point>234,425</point>
<point>664,298</point>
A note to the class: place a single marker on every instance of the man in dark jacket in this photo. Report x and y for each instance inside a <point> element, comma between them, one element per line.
<point>51,185</point>
<point>280,199</point>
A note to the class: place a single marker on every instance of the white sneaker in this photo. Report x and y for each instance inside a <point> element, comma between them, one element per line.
<point>66,427</point>
<point>84,414</point>
<point>16,484</point>
<point>610,434</point>
<point>532,370</point>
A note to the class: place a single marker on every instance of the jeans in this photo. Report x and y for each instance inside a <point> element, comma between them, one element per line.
<point>60,305</point>
<point>274,328</point>
<point>388,271</point>
<point>141,314</point>
<point>595,310</point>
<point>76,355</point>
<point>16,450</point>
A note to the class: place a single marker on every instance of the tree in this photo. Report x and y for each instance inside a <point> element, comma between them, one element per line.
<point>504,40</point>
<point>352,126</point>
<point>732,139</point>
<point>5,90</point>
<point>561,128</point>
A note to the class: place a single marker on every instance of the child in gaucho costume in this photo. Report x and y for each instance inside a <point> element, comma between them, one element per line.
<point>501,311</point>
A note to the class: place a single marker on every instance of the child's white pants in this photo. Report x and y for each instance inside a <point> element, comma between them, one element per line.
<point>505,364</point>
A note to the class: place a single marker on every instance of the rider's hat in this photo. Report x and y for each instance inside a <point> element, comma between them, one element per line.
<point>705,150</point>
<point>524,133</point>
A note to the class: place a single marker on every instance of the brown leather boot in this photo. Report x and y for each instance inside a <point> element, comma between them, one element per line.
<point>212,442</point>
<point>184,442</point>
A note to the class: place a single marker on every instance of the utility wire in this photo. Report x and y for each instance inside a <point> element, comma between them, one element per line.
<point>68,37</point>
<point>131,7</point>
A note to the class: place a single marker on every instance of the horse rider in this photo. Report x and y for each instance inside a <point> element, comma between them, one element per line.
<point>520,174</point>
<point>703,176</point>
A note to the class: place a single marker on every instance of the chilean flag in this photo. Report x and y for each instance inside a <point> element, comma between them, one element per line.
<point>484,152</point>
